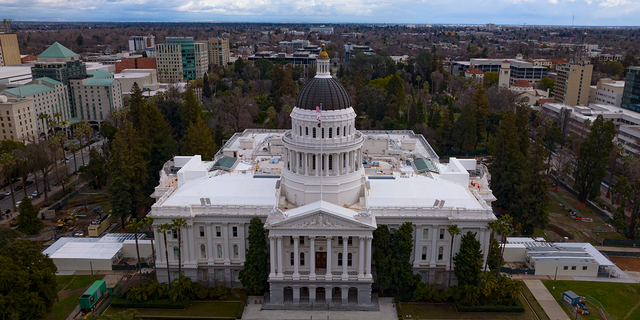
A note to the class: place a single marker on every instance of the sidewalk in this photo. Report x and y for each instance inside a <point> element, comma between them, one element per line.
<point>546,300</point>
<point>253,312</point>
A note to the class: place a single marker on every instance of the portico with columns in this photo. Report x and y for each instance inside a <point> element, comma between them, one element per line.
<point>320,254</point>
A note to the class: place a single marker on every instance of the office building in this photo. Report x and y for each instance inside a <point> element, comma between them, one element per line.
<point>136,63</point>
<point>607,91</point>
<point>349,47</point>
<point>181,59</point>
<point>631,94</point>
<point>17,119</point>
<point>573,83</point>
<point>321,30</point>
<point>299,58</point>
<point>9,50</point>
<point>49,96</point>
<point>218,51</point>
<point>320,208</point>
<point>143,43</point>
<point>519,69</point>
<point>96,97</point>
<point>60,64</point>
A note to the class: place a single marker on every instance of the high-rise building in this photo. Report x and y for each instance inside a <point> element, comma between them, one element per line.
<point>607,91</point>
<point>60,64</point>
<point>631,95</point>
<point>49,96</point>
<point>573,83</point>
<point>218,51</point>
<point>17,118</point>
<point>142,43</point>
<point>97,97</point>
<point>181,59</point>
<point>9,50</point>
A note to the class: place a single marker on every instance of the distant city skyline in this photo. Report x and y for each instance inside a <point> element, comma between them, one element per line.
<point>507,12</point>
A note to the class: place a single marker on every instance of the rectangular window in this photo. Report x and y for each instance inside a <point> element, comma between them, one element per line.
<point>350,241</point>
<point>235,232</point>
<point>584,268</point>
<point>302,240</point>
<point>218,233</point>
<point>442,234</point>
<point>573,267</point>
<point>201,231</point>
<point>565,268</point>
<point>340,241</point>
<point>425,234</point>
<point>175,233</point>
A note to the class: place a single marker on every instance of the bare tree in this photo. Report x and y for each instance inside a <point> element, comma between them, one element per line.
<point>40,157</point>
<point>238,111</point>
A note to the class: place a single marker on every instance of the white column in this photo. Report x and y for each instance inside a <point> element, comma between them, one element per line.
<point>416,255</point>
<point>190,243</point>
<point>315,156</point>
<point>244,242</point>
<point>210,242</point>
<point>306,164</point>
<point>345,241</point>
<point>369,257</point>
<point>326,165</point>
<point>361,249</point>
<point>312,258</point>
<point>279,263</point>
<point>434,245</point>
<point>160,245</point>
<point>329,254</point>
<point>296,258</point>
<point>225,245</point>
<point>272,255</point>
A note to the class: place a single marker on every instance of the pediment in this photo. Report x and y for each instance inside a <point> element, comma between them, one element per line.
<point>321,216</point>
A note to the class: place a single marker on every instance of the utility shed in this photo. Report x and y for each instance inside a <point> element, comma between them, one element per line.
<point>87,256</point>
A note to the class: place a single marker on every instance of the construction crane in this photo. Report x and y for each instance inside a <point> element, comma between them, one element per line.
<point>6,25</point>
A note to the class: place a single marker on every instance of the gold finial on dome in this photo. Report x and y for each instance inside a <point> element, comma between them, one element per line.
<point>323,54</point>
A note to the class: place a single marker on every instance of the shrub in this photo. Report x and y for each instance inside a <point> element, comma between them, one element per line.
<point>118,302</point>
<point>490,308</point>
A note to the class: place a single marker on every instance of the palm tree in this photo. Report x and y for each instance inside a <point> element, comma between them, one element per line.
<point>179,223</point>
<point>7,164</point>
<point>148,221</point>
<point>82,130</point>
<point>493,226</point>
<point>506,228</point>
<point>453,231</point>
<point>164,228</point>
<point>44,118</point>
<point>136,225</point>
<point>74,147</point>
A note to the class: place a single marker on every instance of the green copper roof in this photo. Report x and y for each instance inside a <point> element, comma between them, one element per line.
<point>101,74</point>
<point>28,90</point>
<point>57,50</point>
<point>49,80</point>
<point>98,82</point>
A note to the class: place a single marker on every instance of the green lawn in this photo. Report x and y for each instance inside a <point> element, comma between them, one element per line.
<point>419,310</point>
<point>212,309</point>
<point>63,281</point>
<point>82,282</point>
<point>620,300</point>
<point>68,298</point>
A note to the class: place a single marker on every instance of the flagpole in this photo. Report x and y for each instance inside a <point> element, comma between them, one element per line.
<point>321,154</point>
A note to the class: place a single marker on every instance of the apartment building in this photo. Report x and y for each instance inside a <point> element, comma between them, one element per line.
<point>9,50</point>
<point>218,49</point>
<point>17,118</point>
<point>181,59</point>
<point>631,94</point>
<point>607,91</point>
<point>49,97</point>
<point>573,83</point>
<point>96,98</point>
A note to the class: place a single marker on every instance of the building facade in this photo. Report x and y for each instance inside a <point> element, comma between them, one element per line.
<point>181,59</point>
<point>17,119</point>
<point>49,97</point>
<point>321,189</point>
<point>572,84</point>
<point>142,43</point>
<point>9,50</point>
<point>607,91</point>
<point>218,49</point>
<point>96,98</point>
<point>631,94</point>
<point>136,63</point>
<point>519,69</point>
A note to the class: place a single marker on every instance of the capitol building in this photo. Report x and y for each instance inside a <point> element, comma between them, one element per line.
<point>321,189</point>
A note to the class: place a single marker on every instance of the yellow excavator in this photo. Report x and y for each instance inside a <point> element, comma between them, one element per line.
<point>66,222</point>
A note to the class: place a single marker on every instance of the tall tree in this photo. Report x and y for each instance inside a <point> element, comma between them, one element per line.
<point>453,230</point>
<point>28,221</point>
<point>443,132</point>
<point>402,250</point>
<point>464,131</point>
<point>41,160</point>
<point>198,140</point>
<point>7,166</point>
<point>534,192</point>
<point>468,261</point>
<point>191,109</point>
<point>206,87</point>
<point>505,230</point>
<point>178,224</point>
<point>481,107</point>
<point>148,222</point>
<point>28,286</point>
<point>383,256</point>
<point>255,273</point>
<point>164,228</point>
<point>136,225</point>
<point>592,159</point>
<point>493,227</point>
<point>96,170</point>
<point>81,132</point>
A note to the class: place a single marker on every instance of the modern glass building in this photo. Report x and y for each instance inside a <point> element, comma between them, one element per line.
<point>631,95</point>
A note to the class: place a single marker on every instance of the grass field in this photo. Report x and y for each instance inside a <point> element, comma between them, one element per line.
<point>196,308</point>
<point>70,288</point>
<point>420,310</point>
<point>620,300</point>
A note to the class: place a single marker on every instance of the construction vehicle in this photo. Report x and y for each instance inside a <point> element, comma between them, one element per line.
<point>66,222</point>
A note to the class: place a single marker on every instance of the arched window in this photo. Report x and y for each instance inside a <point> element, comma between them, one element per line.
<point>440,253</point>
<point>330,133</point>
<point>292,257</point>
<point>219,250</point>
<point>340,259</point>
<point>203,251</point>
<point>235,251</point>
<point>424,253</point>
<point>176,253</point>
<point>302,258</point>
<point>338,131</point>
<point>314,133</point>
<point>349,259</point>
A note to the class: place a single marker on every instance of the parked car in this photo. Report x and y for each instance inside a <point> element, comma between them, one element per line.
<point>2,196</point>
<point>35,194</point>
<point>8,193</point>
<point>29,182</point>
<point>18,188</point>
<point>18,203</point>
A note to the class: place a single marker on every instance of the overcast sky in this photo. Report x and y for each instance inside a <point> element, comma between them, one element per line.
<point>514,12</point>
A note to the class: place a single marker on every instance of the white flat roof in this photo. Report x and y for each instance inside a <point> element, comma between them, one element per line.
<point>87,250</point>
<point>131,75</point>
<point>420,191</point>
<point>226,189</point>
<point>595,254</point>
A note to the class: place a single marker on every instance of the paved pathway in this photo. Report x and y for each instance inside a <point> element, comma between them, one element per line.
<point>546,300</point>
<point>387,312</point>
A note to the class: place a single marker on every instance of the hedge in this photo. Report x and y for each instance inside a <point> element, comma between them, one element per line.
<point>491,308</point>
<point>118,302</point>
